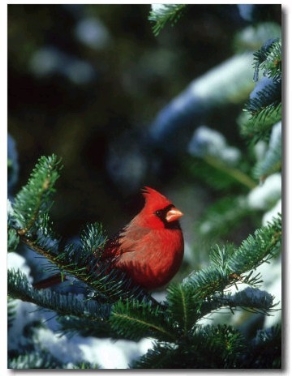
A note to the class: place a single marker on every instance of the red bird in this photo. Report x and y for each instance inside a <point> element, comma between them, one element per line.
<point>150,248</point>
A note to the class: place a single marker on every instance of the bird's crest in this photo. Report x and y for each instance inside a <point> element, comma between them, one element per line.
<point>153,197</point>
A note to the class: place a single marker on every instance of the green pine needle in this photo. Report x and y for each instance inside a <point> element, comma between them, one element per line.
<point>12,240</point>
<point>182,307</point>
<point>35,198</point>
<point>86,327</point>
<point>268,59</point>
<point>34,360</point>
<point>19,288</point>
<point>136,320</point>
<point>258,248</point>
<point>271,162</point>
<point>164,13</point>
<point>264,109</point>
<point>231,263</point>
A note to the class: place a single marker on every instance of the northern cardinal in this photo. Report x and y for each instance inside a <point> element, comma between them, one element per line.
<point>149,249</point>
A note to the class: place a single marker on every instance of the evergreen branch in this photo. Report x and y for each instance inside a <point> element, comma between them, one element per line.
<point>35,360</point>
<point>136,320</point>
<point>92,238</point>
<point>86,365</point>
<point>259,125</point>
<point>230,263</point>
<point>264,105</point>
<point>85,327</point>
<point>12,239</point>
<point>34,199</point>
<point>271,66</point>
<point>264,351</point>
<point>219,346</point>
<point>85,266</point>
<point>182,307</point>
<point>210,347</point>
<point>163,13</point>
<point>257,249</point>
<point>251,279</point>
<point>251,299</point>
<point>268,59</point>
<point>271,161</point>
<point>158,358</point>
<point>45,246</point>
<point>219,256</point>
<point>263,100</point>
<point>19,288</point>
<point>30,212</point>
<point>207,282</point>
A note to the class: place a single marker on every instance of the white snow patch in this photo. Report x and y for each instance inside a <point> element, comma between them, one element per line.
<point>260,197</point>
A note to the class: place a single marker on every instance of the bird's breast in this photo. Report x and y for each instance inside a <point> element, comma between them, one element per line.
<point>153,260</point>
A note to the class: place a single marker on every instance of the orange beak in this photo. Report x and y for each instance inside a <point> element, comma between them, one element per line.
<point>173,215</point>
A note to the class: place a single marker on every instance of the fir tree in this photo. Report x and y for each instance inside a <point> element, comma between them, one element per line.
<point>109,305</point>
<point>120,311</point>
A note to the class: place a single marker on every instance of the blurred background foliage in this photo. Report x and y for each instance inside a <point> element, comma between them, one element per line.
<point>86,83</point>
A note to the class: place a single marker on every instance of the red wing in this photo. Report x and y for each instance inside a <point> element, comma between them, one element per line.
<point>126,240</point>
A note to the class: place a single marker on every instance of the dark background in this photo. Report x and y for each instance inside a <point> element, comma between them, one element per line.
<point>97,99</point>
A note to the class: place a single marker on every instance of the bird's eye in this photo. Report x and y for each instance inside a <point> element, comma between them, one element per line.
<point>163,212</point>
